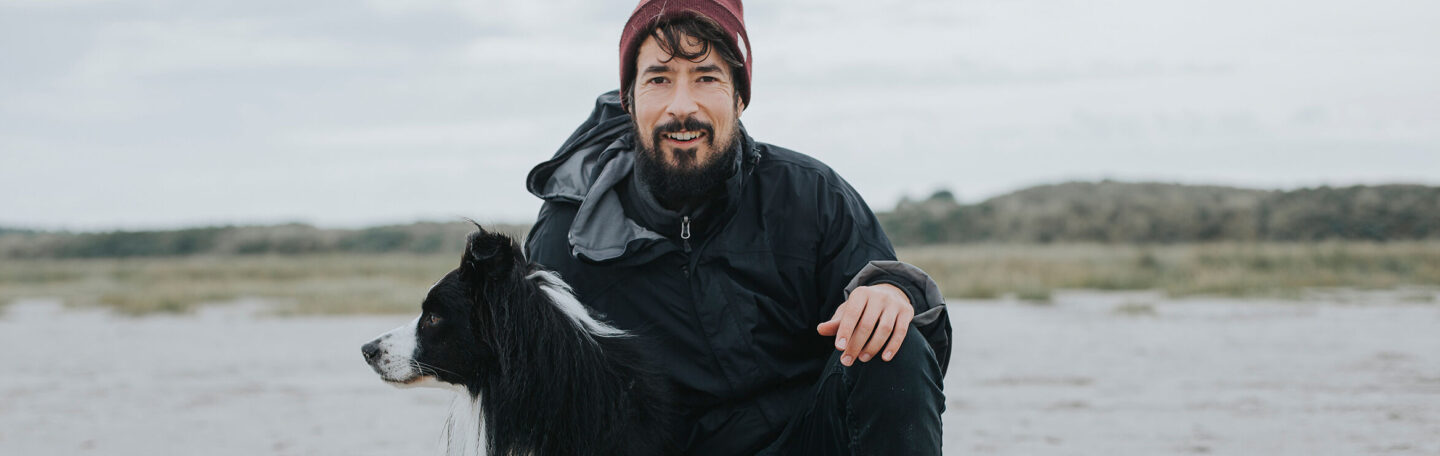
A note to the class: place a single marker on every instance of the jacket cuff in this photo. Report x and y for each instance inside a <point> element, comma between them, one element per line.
<point>923,292</point>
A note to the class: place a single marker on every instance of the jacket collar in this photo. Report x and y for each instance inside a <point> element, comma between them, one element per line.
<point>595,167</point>
<point>643,206</point>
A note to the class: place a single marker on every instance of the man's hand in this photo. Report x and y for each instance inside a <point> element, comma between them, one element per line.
<point>862,325</point>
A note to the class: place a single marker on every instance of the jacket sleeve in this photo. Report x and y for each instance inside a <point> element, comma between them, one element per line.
<point>854,252</point>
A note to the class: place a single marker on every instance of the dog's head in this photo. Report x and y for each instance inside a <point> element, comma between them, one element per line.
<point>452,343</point>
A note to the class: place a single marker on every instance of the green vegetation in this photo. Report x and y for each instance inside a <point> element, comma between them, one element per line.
<point>292,239</point>
<point>303,284</point>
<point>1183,240</point>
<point>1031,271</point>
<point>385,283</point>
<point>1118,212</point>
<point>1078,212</point>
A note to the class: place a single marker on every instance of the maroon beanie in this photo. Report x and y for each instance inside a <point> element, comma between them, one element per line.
<point>729,14</point>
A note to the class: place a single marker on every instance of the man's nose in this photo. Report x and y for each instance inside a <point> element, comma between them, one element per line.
<point>682,104</point>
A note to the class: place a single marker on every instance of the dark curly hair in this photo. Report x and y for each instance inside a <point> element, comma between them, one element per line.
<point>710,35</point>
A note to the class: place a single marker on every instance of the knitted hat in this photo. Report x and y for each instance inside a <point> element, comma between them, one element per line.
<point>728,14</point>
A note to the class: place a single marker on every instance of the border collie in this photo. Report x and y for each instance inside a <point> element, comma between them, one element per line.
<point>538,375</point>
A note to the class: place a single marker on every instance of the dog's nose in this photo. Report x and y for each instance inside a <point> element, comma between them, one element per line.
<point>371,350</point>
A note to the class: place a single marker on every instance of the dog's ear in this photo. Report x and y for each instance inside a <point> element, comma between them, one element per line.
<point>488,253</point>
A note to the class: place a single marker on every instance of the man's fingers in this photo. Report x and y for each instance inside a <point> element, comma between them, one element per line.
<point>848,319</point>
<point>828,328</point>
<point>883,328</point>
<point>874,307</point>
<point>831,326</point>
<point>902,326</point>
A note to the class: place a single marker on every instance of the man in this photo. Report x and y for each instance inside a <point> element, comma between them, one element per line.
<point>766,283</point>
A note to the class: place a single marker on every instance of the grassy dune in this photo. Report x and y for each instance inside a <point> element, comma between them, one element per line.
<point>1228,269</point>
<point>305,284</point>
<point>384,283</point>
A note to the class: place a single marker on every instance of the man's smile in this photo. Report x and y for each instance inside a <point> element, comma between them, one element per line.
<point>683,138</point>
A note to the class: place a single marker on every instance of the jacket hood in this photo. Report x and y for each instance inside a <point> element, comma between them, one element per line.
<point>575,168</point>
<point>597,158</point>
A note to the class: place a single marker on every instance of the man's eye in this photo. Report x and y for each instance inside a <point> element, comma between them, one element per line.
<point>709,79</point>
<point>657,80</point>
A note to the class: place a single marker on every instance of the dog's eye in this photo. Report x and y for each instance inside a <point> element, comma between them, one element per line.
<point>431,320</point>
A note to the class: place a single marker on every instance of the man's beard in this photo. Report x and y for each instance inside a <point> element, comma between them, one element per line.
<point>689,181</point>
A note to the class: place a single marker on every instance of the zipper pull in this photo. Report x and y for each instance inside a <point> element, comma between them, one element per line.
<point>685,232</point>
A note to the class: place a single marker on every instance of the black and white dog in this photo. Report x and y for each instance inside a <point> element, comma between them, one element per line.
<point>540,374</point>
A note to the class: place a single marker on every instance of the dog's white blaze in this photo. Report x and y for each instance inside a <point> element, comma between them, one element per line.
<point>564,298</point>
<point>465,429</point>
<point>397,351</point>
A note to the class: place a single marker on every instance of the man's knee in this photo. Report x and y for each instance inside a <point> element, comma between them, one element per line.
<point>896,405</point>
<point>914,355</point>
<point>913,372</point>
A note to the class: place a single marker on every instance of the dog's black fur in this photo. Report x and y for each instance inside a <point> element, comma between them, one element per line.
<point>547,386</point>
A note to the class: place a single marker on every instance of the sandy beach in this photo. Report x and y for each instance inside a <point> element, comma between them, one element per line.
<point>1093,373</point>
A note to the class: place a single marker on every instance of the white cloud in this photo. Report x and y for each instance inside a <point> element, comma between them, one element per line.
<point>527,17</point>
<point>126,51</point>
<point>486,133</point>
<point>334,111</point>
<point>542,53</point>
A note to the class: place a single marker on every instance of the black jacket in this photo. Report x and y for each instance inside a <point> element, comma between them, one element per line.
<point>733,309</point>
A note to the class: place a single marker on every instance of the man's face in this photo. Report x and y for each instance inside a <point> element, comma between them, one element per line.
<point>686,113</point>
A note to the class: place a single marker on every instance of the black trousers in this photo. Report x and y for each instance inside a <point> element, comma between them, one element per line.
<point>874,408</point>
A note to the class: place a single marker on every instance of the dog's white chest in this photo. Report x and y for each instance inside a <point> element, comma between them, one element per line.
<point>465,429</point>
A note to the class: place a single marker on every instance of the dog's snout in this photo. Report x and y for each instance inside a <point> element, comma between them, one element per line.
<point>371,350</point>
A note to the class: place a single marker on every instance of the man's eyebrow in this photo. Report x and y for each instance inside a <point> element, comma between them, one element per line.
<point>656,69</point>
<point>709,68</point>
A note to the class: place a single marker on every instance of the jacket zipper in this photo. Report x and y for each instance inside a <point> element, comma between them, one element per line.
<point>685,232</point>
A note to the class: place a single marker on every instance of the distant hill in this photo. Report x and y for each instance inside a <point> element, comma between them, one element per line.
<point>1107,212</point>
<point>1116,212</point>
<point>290,239</point>
<point>4,231</point>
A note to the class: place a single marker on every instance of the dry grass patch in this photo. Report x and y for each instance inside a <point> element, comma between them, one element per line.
<point>1227,269</point>
<point>391,283</point>
<point>307,284</point>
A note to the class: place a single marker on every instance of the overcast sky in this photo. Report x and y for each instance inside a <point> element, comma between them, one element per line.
<point>158,114</point>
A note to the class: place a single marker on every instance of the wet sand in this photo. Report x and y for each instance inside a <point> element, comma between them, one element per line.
<point>1196,377</point>
<point>1352,376</point>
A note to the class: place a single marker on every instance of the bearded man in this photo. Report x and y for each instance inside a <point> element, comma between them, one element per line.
<point>771,292</point>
